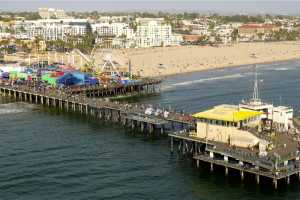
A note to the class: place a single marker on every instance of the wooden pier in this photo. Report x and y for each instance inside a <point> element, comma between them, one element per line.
<point>233,158</point>
<point>143,86</point>
<point>129,115</point>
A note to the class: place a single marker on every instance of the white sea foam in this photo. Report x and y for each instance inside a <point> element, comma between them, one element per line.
<point>281,69</point>
<point>12,108</point>
<point>208,79</point>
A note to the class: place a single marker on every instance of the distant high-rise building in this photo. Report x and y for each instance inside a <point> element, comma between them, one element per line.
<point>52,13</point>
<point>155,32</point>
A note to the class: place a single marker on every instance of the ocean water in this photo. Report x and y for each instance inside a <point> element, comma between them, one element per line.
<point>46,154</point>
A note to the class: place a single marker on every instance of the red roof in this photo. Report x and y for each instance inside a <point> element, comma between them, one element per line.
<point>257,26</point>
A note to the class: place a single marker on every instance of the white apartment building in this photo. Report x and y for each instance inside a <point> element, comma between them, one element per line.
<point>154,32</point>
<point>112,19</point>
<point>113,30</point>
<point>199,29</point>
<point>52,29</point>
<point>224,31</point>
<point>50,13</point>
<point>4,27</point>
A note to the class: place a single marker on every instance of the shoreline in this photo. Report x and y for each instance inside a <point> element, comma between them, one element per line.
<point>170,61</point>
<point>163,62</point>
<point>226,67</point>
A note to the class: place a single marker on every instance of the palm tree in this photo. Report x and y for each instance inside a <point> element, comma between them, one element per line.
<point>235,35</point>
<point>4,45</point>
<point>37,43</point>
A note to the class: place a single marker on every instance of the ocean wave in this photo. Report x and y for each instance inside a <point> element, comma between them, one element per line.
<point>17,107</point>
<point>208,79</point>
<point>281,69</point>
<point>278,68</point>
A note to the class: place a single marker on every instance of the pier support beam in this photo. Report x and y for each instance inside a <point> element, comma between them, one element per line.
<point>226,171</point>
<point>86,109</point>
<point>81,108</point>
<point>100,116</point>
<point>48,102</point>
<point>288,180</point>
<point>257,178</point>
<point>151,128</point>
<point>142,130</point>
<point>172,145</point>
<point>242,175</point>
<point>197,163</point>
<point>60,104</point>
<point>67,105</point>
<point>211,167</point>
<point>275,183</point>
<point>162,130</point>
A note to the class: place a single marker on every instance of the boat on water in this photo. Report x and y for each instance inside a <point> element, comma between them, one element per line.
<point>253,136</point>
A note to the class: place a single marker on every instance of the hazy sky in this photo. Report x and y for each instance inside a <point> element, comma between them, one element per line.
<point>222,6</point>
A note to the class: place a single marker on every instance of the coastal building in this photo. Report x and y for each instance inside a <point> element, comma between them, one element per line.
<point>199,29</point>
<point>52,29</point>
<point>283,117</point>
<point>151,32</point>
<point>252,32</point>
<point>245,137</point>
<point>223,32</point>
<point>4,30</point>
<point>189,39</point>
<point>113,30</point>
<point>113,19</point>
<point>117,35</point>
<point>239,139</point>
<point>52,13</point>
<point>226,124</point>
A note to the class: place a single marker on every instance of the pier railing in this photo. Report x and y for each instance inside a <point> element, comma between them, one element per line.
<point>66,95</point>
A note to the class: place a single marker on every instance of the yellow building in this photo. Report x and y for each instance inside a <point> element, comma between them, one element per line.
<point>230,124</point>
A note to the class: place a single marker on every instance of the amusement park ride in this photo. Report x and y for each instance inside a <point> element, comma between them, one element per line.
<point>107,68</point>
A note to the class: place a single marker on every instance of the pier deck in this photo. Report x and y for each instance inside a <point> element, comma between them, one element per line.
<point>132,115</point>
<point>280,163</point>
<point>142,86</point>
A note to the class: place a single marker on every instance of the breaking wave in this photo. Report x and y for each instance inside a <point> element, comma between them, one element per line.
<point>281,69</point>
<point>18,107</point>
<point>208,79</point>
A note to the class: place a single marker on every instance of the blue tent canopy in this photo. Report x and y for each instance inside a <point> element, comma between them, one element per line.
<point>76,78</point>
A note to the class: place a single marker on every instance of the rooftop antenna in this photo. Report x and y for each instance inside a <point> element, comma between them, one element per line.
<point>255,88</point>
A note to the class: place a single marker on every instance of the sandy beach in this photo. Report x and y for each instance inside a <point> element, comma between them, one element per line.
<point>165,61</point>
<point>162,61</point>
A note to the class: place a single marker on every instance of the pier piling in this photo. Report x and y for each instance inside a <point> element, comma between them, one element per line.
<point>242,175</point>
<point>257,178</point>
<point>275,183</point>
<point>226,171</point>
